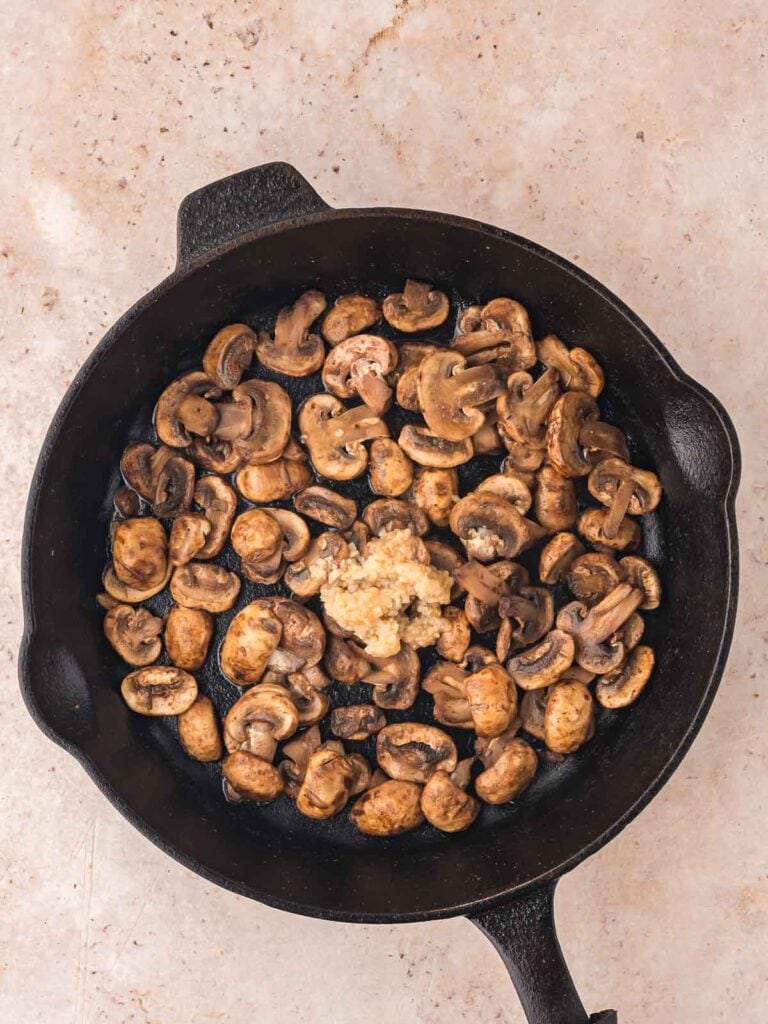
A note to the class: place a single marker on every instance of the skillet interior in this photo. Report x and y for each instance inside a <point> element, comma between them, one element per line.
<point>274,854</point>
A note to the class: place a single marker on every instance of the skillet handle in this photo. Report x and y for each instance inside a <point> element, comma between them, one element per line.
<point>523,931</point>
<point>240,203</point>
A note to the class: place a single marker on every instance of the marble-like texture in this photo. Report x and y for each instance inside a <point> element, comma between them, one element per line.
<point>631,137</point>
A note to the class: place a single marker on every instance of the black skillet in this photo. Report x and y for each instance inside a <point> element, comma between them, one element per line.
<point>247,245</point>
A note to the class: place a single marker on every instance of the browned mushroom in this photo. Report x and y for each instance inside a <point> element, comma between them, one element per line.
<point>641,574</point>
<point>542,665</point>
<point>455,634</point>
<point>229,355</point>
<point>592,629</point>
<point>161,476</point>
<point>335,435</point>
<point>578,369</point>
<point>511,487</point>
<point>127,503</point>
<point>554,504</point>
<point>345,661</point>
<point>251,638</point>
<point>623,685</point>
<point>631,632</point>
<point>275,480</point>
<point>565,449</point>
<point>358,367</point>
<point>411,752</point>
<point>251,777</point>
<point>296,754</point>
<point>406,376</point>
<point>391,471</point>
<point>260,718</point>
<point>257,538</point>
<point>188,536</point>
<point>443,556</point>
<point>326,506</point>
<point>134,633</point>
<point>569,717</point>
<point>188,633</point>
<point>591,525</point>
<point>446,683</point>
<point>445,802</point>
<point>138,468</point>
<point>159,690</point>
<point>449,393</point>
<point>395,680</point>
<point>307,576</point>
<point>209,587</point>
<point>140,552</point>
<point>490,527</point>
<point>485,587</point>
<point>185,409</point>
<point>521,458</point>
<point>527,615</point>
<point>295,533</point>
<point>557,557</point>
<point>524,407</point>
<point>306,689</point>
<point>624,489</point>
<point>349,315</point>
<point>510,765</point>
<point>122,593</point>
<point>292,350</point>
<point>386,514</point>
<point>436,491</point>
<point>215,455</point>
<point>199,731</point>
<point>492,699</point>
<point>218,503</point>
<point>302,640</point>
<point>500,332</point>
<point>357,721</point>
<point>327,783</point>
<point>388,809</point>
<point>426,448</point>
<point>532,708</point>
<point>487,439</point>
<point>417,308</point>
<point>270,421</point>
<point>592,575</point>
<point>600,439</point>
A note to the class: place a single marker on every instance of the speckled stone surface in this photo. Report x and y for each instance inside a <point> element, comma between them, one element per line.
<point>632,139</point>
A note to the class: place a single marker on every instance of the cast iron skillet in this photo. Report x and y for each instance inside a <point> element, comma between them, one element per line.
<point>253,242</point>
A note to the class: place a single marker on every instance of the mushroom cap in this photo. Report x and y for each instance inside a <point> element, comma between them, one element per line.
<point>510,766</point>
<point>391,471</point>
<point>344,661</point>
<point>264,709</point>
<point>591,576</point>
<point>448,393</point>
<point>252,636</point>
<point>188,535</point>
<point>215,454</point>
<point>174,484</point>
<point>159,690</point>
<point>327,784</point>
<point>351,360</point>
<point>188,633</point>
<point>445,804</point>
<point>187,388</point>
<point>532,708</point>
<point>334,435</point>
<point>303,636</point>
<point>326,506</point>
<point>389,809</point>
<point>296,537</point>
<point>524,406</point>
<point>271,413</point>
<point>219,504</point>
<point>488,526</point>
<point>357,721</point>
<point>251,777</point>
<point>564,449</point>
<point>623,685</point>
<point>349,315</point>
<point>134,633</point>
<point>608,476</point>
<point>256,535</point>
<point>307,576</point>
<point>199,731</point>
<point>229,355</point>
<point>543,664</point>
<point>569,717</point>
<point>590,525</point>
<point>411,752</point>
<point>436,491</point>
<point>200,585</point>
<point>140,552</point>
<point>125,594</point>
<point>385,514</point>
<point>455,636</point>
<point>499,332</point>
<point>511,487</point>
<point>417,308</point>
<point>641,574</point>
<point>578,369</point>
<point>426,448</point>
<point>557,557</point>
<point>492,699</point>
<point>395,679</point>
<point>554,504</point>
<point>293,350</point>
<point>274,481</point>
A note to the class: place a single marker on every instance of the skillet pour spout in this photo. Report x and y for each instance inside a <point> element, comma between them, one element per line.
<point>248,244</point>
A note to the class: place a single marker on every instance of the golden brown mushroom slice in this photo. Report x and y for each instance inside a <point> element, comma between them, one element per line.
<point>357,721</point>
<point>569,717</point>
<point>492,699</point>
<point>161,476</point>
<point>326,506</point>
<point>445,802</point>
<point>500,332</point>
<point>577,368</point>
<point>641,574</point>
<point>270,421</point>
<point>259,719</point>
<point>251,777</point>
<point>490,527</point>
<point>358,366</point>
<point>591,525</point>
<point>276,480</point>
<point>386,514</point>
<point>427,448</point>
<point>349,315</point>
<point>520,458</point>
<point>258,539</point>
<point>624,489</point>
<point>306,691</point>
<point>436,491</point>
<point>188,535</point>
<point>159,690</point>
<point>542,665</point>
<point>395,679</point>
<point>140,552</point>
<point>229,355</point>
<point>251,638</point>
<point>532,708</point>
<point>411,752</point>
<point>554,503</point>
<point>510,765</point>
<point>327,784</point>
<point>185,409</point>
<point>293,350</point>
<point>486,585</point>
<point>302,639</point>
<point>334,436</point>
<point>215,455</point>
<point>623,685</point>
<point>446,683</point>
<point>199,731</point>
<point>122,593</point>
<point>591,576</point>
<point>557,557</point>
<point>345,661</point>
<point>567,419</point>
<point>524,407</point>
<point>218,503</point>
<point>134,633</point>
<point>512,487</point>
<point>487,440</point>
<point>455,635</point>
<point>188,633</point>
<point>296,754</point>
<point>418,307</point>
<point>391,471</point>
<point>127,503</point>
<point>406,375</point>
<point>208,587</point>
<point>309,574</point>
<point>593,629</point>
<point>528,616</point>
<point>449,393</point>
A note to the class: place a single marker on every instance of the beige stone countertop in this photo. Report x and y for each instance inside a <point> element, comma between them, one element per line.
<point>629,137</point>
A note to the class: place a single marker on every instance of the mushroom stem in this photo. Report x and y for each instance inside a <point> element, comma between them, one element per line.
<point>374,391</point>
<point>619,506</point>
<point>537,401</point>
<point>198,415</point>
<point>613,611</point>
<point>481,583</point>
<point>479,384</point>
<point>415,294</point>
<point>358,424</point>
<point>462,774</point>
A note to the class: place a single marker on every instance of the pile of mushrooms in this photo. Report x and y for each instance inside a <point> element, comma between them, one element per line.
<point>234,470</point>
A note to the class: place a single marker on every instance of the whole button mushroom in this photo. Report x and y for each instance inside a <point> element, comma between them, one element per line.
<point>134,633</point>
<point>411,752</point>
<point>436,491</point>
<point>188,536</point>
<point>256,722</point>
<point>524,407</point>
<point>624,489</point>
<point>417,308</point>
<point>270,421</point>
<point>510,765</point>
<point>229,355</point>
<point>641,574</point>
<point>445,802</point>
<point>140,552</point>
<point>358,366</point>
<point>593,629</point>
<point>449,393</point>
<point>498,332</point>
<point>591,525</point>
<point>326,506</point>
<point>199,731</point>
<point>349,315</point>
<point>592,575</point>
<point>251,777</point>
<point>624,684</point>
<point>252,637</point>
<point>569,717</point>
<point>554,503</point>
<point>186,409</point>
<point>492,699</point>
<point>292,350</point>
<point>578,369</point>
<point>188,633</point>
<point>208,587</point>
<point>159,690</point>
<point>542,665</point>
<point>557,556</point>
<point>427,448</point>
<point>334,436</point>
<point>389,809</point>
<point>327,784</point>
<point>391,471</point>
<point>276,480</point>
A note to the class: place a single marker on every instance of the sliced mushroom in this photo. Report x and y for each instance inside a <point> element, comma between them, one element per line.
<point>134,633</point>
<point>123,594</point>
<point>270,421</point>
<point>641,574</point>
<point>395,680</point>
<point>293,350</point>
<point>624,489</point>
<point>260,718</point>
<point>251,777</point>
<point>391,471</point>
<point>357,721</point>
<point>411,752</point>
<point>251,638</point>
<point>417,308</point>
<point>578,369</point>
<point>624,684</point>
<point>554,504</point>
<point>274,481</point>
<point>344,661</point>
<point>199,731</point>
<point>296,758</point>
<point>389,809</point>
<point>327,784</point>
<point>487,439</point>
<point>445,802</point>
<point>592,575</point>
<point>295,532</point>
<point>486,586</point>
<point>386,514</point>
<point>209,587</point>
<point>569,717</point>
<point>557,557</point>
<point>436,491</point>
<point>161,476</point>
<point>426,448</point>
<point>492,699</point>
<point>490,527</point>
<point>184,409</point>
<point>188,536</point>
<point>521,458</point>
<point>335,435</point>
<point>600,440</point>
<point>501,334</point>
<point>127,503</point>
<point>349,315</point>
<point>140,552</point>
<point>593,628</point>
<point>443,556</point>
<point>326,506</point>
<point>137,469</point>
<point>510,765</point>
<point>358,366</point>
<point>307,576</point>
<point>532,708</point>
<point>219,503</point>
<point>406,376</point>
<point>447,684</point>
<point>509,486</point>
<point>592,522</point>
<point>531,611</point>
<point>215,455</point>
<point>631,632</point>
<point>542,665</point>
<point>229,355</point>
<point>257,538</point>
<point>159,690</point>
<point>565,449</point>
<point>449,393</point>
<point>302,641</point>
<point>524,407</point>
<point>188,633</point>
<point>455,635</point>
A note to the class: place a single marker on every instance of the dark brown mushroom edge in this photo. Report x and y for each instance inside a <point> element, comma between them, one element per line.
<point>349,593</point>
